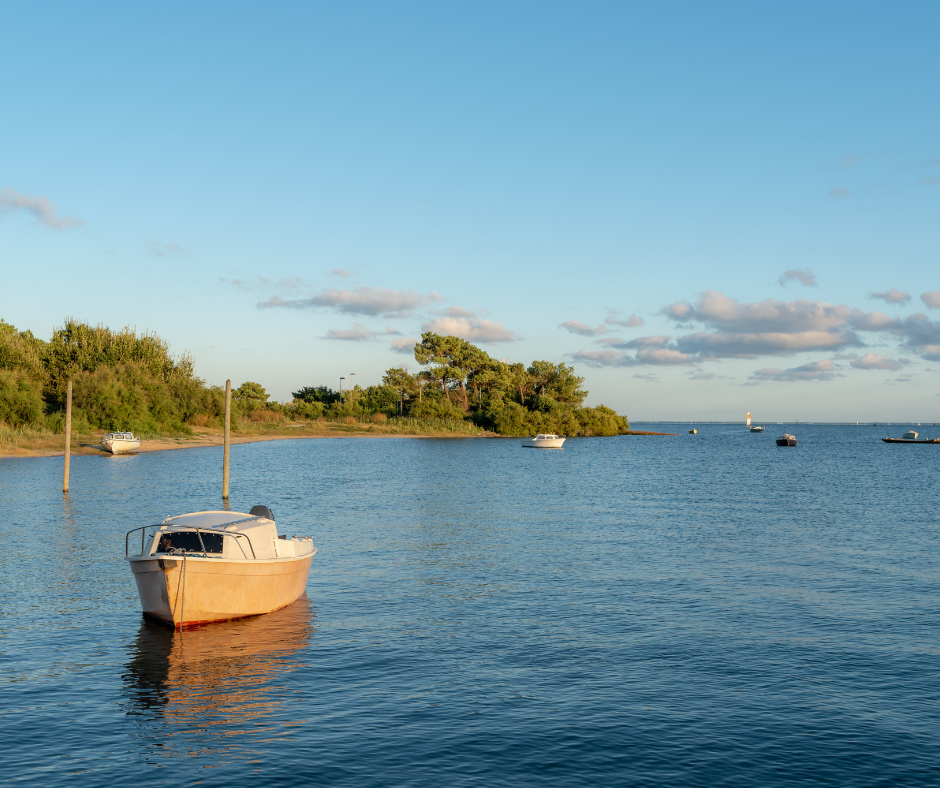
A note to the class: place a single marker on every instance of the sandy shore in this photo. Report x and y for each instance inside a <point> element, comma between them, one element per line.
<point>87,444</point>
<point>51,446</point>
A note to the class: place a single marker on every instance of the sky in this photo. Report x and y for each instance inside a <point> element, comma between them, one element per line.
<point>706,209</point>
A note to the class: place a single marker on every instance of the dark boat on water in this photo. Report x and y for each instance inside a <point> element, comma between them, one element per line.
<point>786,440</point>
<point>910,437</point>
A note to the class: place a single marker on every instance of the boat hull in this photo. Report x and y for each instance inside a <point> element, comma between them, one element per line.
<point>120,446</point>
<point>785,442</point>
<point>550,443</point>
<point>910,440</point>
<point>213,589</point>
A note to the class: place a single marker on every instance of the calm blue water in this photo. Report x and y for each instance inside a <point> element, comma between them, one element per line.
<point>701,610</point>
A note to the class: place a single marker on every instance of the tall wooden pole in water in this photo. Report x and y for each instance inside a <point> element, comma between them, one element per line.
<point>226,440</point>
<point>68,436</point>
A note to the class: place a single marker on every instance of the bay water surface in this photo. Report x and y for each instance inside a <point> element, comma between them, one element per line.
<point>706,610</point>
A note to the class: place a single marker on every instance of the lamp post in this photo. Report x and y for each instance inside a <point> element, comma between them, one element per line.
<point>341,389</point>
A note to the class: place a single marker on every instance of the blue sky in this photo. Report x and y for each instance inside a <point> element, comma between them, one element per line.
<point>292,191</point>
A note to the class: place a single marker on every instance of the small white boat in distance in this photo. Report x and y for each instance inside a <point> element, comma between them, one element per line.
<point>757,429</point>
<point>120,442</point>
<point>543,440</point>
<point>215,566</point>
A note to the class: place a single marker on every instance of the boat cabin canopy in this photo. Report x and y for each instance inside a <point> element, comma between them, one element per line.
<point>231,535</point>
<point>119,436</point>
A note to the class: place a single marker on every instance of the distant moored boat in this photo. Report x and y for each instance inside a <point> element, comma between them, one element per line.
<point>543,441</point>
<point>120,442</point>
<point>910,437</point>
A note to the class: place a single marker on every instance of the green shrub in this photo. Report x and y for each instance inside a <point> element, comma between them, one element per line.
<point>601,421</point>
<point>21,401</point>
<point>436,409</point>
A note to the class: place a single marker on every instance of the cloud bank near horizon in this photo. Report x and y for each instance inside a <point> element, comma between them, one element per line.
<point>748,330</point>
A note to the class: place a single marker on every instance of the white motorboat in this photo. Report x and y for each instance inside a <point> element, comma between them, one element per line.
<point>215,566</point>
<point>757,429</point>
<point>543,440</point>
<point>120,442</point>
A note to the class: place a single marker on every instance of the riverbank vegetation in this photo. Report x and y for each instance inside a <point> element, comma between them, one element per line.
<point>123,380</point>
<point>461,382</point>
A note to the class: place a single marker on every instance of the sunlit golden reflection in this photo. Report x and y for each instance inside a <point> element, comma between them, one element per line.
<point>197,689</point>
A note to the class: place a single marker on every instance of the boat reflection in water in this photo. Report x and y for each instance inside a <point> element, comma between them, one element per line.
<point>219,689</point>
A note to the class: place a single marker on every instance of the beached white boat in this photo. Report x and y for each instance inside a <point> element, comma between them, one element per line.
<point>120,442</point>
<point>543,441</point>
<point>215,566</point>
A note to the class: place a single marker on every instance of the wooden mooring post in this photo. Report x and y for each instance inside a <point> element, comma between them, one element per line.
<point>68,437</point>
<point>226,438</point>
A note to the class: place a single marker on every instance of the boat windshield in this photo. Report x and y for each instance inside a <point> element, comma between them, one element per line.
<point>188,541</point>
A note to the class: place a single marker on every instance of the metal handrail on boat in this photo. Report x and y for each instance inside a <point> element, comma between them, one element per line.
<point>200,531</point>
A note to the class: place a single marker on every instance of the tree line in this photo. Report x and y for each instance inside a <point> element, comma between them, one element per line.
<point>462,381</point>
<point>123,380</point>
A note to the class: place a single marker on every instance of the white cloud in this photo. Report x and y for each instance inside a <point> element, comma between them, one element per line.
<point>377,301</point>
<point>665,356</point>
<point>877,361</point>
<point>40,208</point>
<point>815,370</point>
<point>603,358</point>
<point>405,345</point>
<point>473,329</point>
<point>702,376</point>
<point>931,298</point>
<point>577,327</point>
<point>839,193</point>
<point>802,275</point>
<point>359,333</point>
<point>721,345</point>
<point>892,296</point>
<point>455,311</point>
<point>631,322</point>
<point>639,342</point>
<point>261,282</point>
<point>921,335</point>
<point>769,327</point>
<point>849,161</point>
<point>725,313</point>
<point>342,273</point>
<point>648,356</point>
<point>162,250</point>
<point>649,378</point>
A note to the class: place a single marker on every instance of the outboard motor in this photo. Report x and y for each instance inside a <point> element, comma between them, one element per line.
<point>262,511</point>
